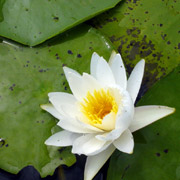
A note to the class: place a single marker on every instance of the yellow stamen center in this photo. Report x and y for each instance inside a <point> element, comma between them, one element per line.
<point>98,105</point>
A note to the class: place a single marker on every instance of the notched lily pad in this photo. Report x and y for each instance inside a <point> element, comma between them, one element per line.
<point>32,22</point>
<point>158,156</point>
<point>27,75</point>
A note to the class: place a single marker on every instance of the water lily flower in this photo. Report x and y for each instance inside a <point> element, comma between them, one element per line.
<point>99,116</point>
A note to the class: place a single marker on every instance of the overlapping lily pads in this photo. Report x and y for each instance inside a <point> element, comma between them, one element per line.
<point>27,75</point>
<point>145,29</point>
<point>32,22</point>
<point>156,154</point>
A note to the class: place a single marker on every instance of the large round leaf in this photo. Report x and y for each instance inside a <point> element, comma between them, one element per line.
<point>157,150</point>
<point>27,75</point>
<point>34,21</point>
<point>145,29</point>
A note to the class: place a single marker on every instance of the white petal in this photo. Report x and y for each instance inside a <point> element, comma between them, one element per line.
<point>89,83</point>
<point>50,109</point>
<point>104,147</point>
<point>73,125</point>
<point>108,122</point>
<point>75,83</point>
<point>90,127</point>
<point>125,142</point>
<point>94,163</point>
<point>119,71</point>
<point>117,93</point>
<point>112,135</point>
<point>60,99</point>
<point>125,113</point>
<point>87,144</point>
<point>113,54</point>
<point>104,73</point>
<point>68,71</point>
<point>70,110</point>
<point>62,138</point>
<point>135,79</point>
<point>145,115</point>
<point>94,62</point>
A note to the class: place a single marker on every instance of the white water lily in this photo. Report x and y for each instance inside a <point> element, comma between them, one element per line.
<point>100,115</point>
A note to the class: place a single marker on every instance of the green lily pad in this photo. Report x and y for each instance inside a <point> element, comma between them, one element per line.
<point>33,22</point>
<point>157,156</point>
<point>27,75</point>
<point>1,6</point>
<point>145,29</point>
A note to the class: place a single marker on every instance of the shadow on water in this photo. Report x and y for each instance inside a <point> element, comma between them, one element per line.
<point>75,172</point>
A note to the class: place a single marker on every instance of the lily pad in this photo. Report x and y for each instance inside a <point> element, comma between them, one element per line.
<point>27,75</point>
<point>157,156</point>
<point>1,6</point>
<point>145,29</point>
<point>32,22</point>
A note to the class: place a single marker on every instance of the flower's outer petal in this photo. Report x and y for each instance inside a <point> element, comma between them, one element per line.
<point>94,163</point>
<point>113,54</point>
<point>112,135</point>
<point>50,109</point>
<point>62,138</point>
<point>67,71</point>
<point>75,82</point>
<point>104,147</point>
<point>70,110</point>
<point>60,99</point>
<point>145,115</point>
<point>118,70</point>
<point>63,97</point>
<point>125,113</point>
<point>104,73</point>
<point>124,119</point>
<point>73,125</point>
<point>135,79</point>
<point>94,61</point>
<point>125,142</point>
<point>88,144</point>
